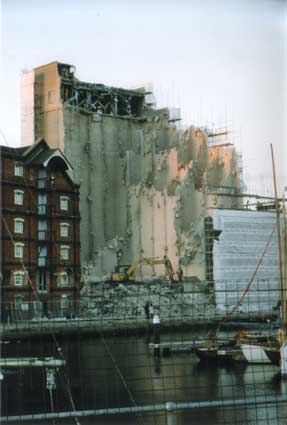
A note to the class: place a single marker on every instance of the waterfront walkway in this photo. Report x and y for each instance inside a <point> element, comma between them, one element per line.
<point>112,325</point>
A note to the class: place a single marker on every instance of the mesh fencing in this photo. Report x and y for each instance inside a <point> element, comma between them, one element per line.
<point>107,360</point>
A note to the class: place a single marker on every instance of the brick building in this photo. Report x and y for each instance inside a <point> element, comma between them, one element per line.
<point>40,238</point>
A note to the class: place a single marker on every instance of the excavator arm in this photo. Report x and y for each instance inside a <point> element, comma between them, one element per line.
<point>151,262</point>
<point>129,275</point>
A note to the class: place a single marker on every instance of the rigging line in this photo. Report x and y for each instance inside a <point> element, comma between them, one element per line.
<point>59,349</point>
<point>139,415</point>
<point>4,138</point>
<point>66,378</point>
<point>251,280</point>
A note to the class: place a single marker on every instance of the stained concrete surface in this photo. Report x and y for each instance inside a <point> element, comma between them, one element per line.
<point>144,190</point>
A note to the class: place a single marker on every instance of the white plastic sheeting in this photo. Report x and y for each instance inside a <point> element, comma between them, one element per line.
<point>236,254</point>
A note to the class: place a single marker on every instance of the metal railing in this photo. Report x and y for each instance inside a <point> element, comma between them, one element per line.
<point>170,408</point>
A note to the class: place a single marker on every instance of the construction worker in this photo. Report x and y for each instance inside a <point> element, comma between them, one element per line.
<point>151,311</point>
<point>146,310</point>
<point>180,274</point>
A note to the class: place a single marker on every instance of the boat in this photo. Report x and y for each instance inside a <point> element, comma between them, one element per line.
<point>221,355</point>
<point>273,355</point>
<point>245,347</point>
<point>254,346</point>
<point>255,354</point>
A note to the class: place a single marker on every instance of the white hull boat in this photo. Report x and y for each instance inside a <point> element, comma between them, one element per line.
<point>254,353</point>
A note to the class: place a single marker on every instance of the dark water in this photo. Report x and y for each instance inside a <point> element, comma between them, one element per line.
<point>121,371</point>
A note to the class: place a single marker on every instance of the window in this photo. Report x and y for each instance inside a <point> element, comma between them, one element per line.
<point>18,170</point>
<point>64,203</point>
<point>19,278</point>
<point>42,178</point>
<point>18,225</point>
<point>65,252</point>
<point>42,230</point>
<point>18,250</point>
<point>64,230</point>
<point>18,197</point>
<point>42,255</point>
<point>65,303</point>
<point>18,302</point>
<point>20,305</point>
<point>42,204</point>
<point>42,281</point>
<point>64,279</point>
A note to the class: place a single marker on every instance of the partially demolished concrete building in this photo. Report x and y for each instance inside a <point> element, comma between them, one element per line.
<point>145,185</point>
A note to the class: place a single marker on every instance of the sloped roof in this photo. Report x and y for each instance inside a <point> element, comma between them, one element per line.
<point>41,154</point>
<point>38,154</point>
<point>11,151</point>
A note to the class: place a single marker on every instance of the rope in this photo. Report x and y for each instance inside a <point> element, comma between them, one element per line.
<point>139,415</point>
<point>66,378</point>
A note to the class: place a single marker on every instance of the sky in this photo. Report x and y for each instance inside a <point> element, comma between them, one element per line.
<point>223,62</point>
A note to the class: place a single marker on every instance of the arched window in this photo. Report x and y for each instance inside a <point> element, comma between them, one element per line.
<point>19,278</point>
<point>64,230</point>
<point>18,250</point>
<point>65,252</point>
<point>18,197</point>
<point>18,225</point>
<point>64,279</point>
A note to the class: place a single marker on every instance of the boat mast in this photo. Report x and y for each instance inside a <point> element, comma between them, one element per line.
<point>282,283</point>
<point>284,248</point>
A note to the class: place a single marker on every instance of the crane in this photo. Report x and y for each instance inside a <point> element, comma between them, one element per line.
<point>127,273</point>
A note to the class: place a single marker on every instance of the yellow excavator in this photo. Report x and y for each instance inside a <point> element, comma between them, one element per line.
<point>127,273</point>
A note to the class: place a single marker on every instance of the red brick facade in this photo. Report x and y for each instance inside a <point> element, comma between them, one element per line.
<point>47,256</point>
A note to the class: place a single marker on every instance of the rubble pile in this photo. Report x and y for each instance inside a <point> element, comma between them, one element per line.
<point>128,301</point>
